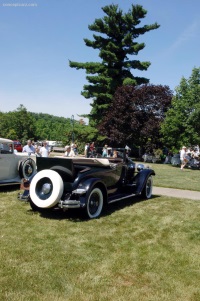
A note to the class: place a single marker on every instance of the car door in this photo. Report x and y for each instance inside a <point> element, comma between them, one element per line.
<point>8,162</point>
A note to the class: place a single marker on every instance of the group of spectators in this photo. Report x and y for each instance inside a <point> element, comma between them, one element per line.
<point>70,150</point>
<point>186,154</point>
<point>89,150</point>
<point>39,150</point>
<point>44,150</point>
<point>106,152</point>
<point>109,152</point>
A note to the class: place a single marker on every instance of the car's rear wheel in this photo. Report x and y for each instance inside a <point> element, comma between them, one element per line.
<point>46,188</point>
<point>27,168</point>
<point>94,203</point>
<point>147,190</point>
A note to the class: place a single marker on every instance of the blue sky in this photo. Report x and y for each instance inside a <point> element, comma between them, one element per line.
<point>39,37</point>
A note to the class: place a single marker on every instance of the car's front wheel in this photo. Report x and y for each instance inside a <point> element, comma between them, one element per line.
<point>46,188</point>
<point>147,190</point>
<point>94,203</point>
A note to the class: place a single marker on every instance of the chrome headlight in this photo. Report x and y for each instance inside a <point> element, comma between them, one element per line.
<point>140,167</point>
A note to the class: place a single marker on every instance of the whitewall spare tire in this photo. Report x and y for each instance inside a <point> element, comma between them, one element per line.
<point>46,188</point>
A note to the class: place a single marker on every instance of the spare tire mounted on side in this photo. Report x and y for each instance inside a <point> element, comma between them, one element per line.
<point>27,168</point>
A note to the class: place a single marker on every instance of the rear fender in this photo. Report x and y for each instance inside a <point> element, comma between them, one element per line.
<point>88,185</point>
<point>141,179</point>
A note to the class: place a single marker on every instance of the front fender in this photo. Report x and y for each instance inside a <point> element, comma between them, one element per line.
<point>141,179</point>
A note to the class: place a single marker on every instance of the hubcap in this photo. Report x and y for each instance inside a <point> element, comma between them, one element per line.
<point>30,170</point>
<point>94,203</point>
<point>46,188</point>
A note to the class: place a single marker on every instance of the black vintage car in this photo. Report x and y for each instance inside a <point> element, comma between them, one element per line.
<point>87,183</point>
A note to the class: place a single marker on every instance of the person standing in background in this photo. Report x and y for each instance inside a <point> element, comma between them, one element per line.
<point>37,152</point>
<point>86,149</point>
<point>183,157</point>
<point>29,148</point>
<point>44,150</point>
<point>69,151</point>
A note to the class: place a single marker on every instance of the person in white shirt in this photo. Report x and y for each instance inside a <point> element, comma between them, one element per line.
<point>183,158</point>
<point>86,149</point>
<point>69,152</point>
<point>44,150</point>
<point>29,148</point>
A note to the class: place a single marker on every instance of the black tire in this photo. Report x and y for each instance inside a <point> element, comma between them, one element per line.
<point>94,203</point>
<point>46,188</point>
<point>148,187</point>
<point>27,168</point>
<point>65,173</point>
<point>33,206</point>
<point>38,209</point>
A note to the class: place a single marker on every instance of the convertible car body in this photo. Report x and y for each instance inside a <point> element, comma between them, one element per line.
<point>86,183</point>
<point>13,165</point>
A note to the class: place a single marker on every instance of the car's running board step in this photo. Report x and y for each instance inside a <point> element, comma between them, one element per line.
<point>121,197</point>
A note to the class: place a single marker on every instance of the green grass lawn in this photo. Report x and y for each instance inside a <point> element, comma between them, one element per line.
<point>138,250</point>
<point>173,177</point>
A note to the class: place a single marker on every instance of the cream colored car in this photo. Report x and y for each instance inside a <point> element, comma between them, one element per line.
<point>14,165</point>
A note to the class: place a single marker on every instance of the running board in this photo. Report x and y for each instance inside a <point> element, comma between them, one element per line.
<point>122,198</point>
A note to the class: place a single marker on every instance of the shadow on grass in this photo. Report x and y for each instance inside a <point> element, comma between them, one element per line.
<point>79,215</point>
<point>9,188</point>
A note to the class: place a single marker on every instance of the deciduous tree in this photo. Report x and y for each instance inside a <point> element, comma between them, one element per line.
<point>17,124</point>
<point>135,115</point>
<point>181,125</point>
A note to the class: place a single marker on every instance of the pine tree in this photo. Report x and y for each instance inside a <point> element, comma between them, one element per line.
<point>116,43</point>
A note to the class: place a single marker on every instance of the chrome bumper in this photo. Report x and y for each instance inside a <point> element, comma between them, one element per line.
<point>66,204</point>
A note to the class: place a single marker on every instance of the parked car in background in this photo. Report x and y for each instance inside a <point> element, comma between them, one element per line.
<point>151,158</point>
<point>14,166</point>
<point>176,161</point>
<point>17,145</point>
<point>55,145</point>
<point>87,183</point>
